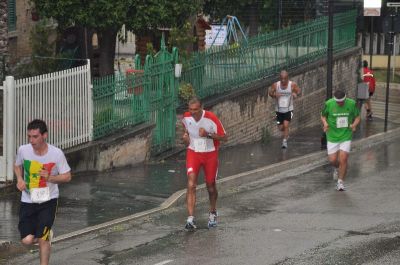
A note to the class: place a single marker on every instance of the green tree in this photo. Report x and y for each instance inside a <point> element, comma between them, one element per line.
<point>106,17</point>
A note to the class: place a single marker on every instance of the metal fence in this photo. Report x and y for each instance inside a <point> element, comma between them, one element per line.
<point>222,69</point>
<point>5,169</point>
<point>63,99</point>
<point>145,94</point>
<point>119,101</point>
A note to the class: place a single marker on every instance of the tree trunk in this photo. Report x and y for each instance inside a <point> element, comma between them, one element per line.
<point>254,19</point>
<point>106,51</point>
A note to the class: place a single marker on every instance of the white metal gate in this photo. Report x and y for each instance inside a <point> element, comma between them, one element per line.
<point>62,99</point>
<point>2,154</point>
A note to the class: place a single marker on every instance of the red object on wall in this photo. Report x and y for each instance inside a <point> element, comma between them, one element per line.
<point>131,75</point>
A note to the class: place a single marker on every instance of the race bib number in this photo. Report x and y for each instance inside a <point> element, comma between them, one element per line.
<point>39,195</point>
<point>283,102</point>
<point>200,145</point>
<point>342,122</point>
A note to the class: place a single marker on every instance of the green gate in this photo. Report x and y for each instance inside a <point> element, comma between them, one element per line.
<point>161,90</point>
<point>146,94</point>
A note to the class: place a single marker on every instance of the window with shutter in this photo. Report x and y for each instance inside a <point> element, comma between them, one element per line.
<point>12,15</point>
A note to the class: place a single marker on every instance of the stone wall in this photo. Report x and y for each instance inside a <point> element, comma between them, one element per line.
<point>247,112</point>
<point>126,148</point>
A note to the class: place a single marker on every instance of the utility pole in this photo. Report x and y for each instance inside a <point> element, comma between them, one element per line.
<point>280,14</point>
<point>329,71</point>
<point>371,42</point>
<point>391,47</point>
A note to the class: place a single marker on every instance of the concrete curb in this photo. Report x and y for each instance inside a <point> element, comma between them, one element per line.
<point>296,165</point>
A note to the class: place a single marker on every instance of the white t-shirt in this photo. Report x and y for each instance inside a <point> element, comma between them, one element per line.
<point>54,161</point>
<point>210,123</point>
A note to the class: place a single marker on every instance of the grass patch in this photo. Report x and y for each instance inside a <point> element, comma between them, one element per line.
<point>380,76</point>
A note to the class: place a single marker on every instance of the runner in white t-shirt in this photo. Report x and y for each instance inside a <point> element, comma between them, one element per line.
<point>39,167</point>
<point>203,133</point>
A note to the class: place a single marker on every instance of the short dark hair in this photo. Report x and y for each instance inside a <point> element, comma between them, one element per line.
<point>365,63</point>
<point>38,124</point>
<point>195,100</point>
<point>339,94</point>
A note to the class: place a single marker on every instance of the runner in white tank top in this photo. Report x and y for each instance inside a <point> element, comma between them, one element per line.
<point>284,91</point>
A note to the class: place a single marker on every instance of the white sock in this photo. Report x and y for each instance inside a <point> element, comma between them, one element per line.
<point>190,219</point>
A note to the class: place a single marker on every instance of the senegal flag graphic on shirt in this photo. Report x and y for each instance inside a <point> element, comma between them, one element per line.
<point>32,170</point>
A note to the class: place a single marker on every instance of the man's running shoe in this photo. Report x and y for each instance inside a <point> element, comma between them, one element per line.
<point>340,186</point>
<point>190,224</point>
<point>369,116</point>
<point>212,219</point>
<point>335,173</point>
<point>284,144</point>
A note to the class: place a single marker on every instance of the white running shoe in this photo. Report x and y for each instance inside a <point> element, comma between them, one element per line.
<point>190,224</point>
<point>340,186</point>
<point>212,219</point>
<point>284,144</point>
<point>335,173</point>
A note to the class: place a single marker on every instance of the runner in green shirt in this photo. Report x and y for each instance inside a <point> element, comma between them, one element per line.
<point>340,118</point>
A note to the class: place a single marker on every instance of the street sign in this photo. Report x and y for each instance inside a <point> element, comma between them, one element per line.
<point>393,4</point>
<point>216,35</point>
<point>372,8</point>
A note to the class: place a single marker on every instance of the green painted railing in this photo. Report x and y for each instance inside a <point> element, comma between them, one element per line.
<point>149,94</point>
<point>222,69</point>
<point>146,94</point>
<point>119,101</point>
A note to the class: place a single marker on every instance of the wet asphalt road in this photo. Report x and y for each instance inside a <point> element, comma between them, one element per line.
<point>94,198</point>
<point>296,219</point>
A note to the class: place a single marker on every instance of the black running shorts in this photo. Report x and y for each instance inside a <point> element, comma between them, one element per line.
<point>37,219</point>
<point>280,117</point>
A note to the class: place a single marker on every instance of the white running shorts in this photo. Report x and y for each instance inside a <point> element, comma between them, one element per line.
<point>334,147</point>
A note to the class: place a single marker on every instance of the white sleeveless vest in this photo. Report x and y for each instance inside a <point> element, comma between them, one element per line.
<point>284,103</point>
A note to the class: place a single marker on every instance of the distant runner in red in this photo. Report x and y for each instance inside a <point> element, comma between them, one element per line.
<point>203,133</point>
<point>368,77</point>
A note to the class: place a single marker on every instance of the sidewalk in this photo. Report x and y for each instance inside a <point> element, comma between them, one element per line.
<point>96,198</point>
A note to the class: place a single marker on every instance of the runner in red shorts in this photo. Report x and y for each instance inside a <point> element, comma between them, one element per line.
<point>203,133</point>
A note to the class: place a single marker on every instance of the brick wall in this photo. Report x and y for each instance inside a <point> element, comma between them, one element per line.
<point>247,112</point>
<point>19,46</point>
<point>3,28</point>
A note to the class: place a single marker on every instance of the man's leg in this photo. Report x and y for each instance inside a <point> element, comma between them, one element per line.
<point>213,196</point>
<point>192,166</point>
<point>285,129</point>
<point>27,223</point>
<point>29,240</point>
<point>46,217</point>
<point>343,157</point>
<point>211,171</point>
<point>333,159</point>
<point>191,193</point>
<point>44,246</point>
